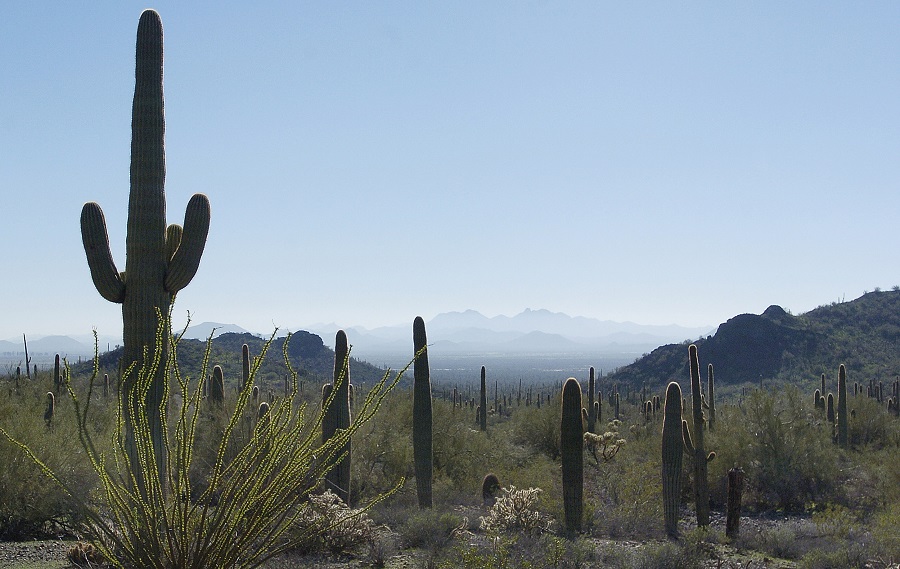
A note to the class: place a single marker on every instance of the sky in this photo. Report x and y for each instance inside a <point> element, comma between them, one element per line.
<point>368,162</point>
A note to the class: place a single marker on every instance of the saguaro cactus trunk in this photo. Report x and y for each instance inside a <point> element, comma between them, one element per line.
<point>694,444</point>
<point>571,447</point>
<point>672,458</point>
<point>159,261</point>
<point>482,417</point>
<point>842,424</point>
<point>422,417</point>
<point>337,416</point>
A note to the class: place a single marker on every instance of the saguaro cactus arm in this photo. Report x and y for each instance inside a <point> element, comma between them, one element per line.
<point>99,257</point>
<point>186,258</point>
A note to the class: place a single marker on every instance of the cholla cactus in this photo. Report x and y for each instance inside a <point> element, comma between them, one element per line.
<point>515,511</point>
<point>603,446</point>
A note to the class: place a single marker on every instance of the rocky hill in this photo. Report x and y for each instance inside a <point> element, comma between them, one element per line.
<point>863,334</point>
<point>307,353</point>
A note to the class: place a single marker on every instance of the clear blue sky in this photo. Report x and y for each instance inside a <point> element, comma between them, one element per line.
<point>368,162</point>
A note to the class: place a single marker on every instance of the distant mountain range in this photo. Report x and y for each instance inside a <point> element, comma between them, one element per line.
<point>452,333</point>
<point>531,331</point>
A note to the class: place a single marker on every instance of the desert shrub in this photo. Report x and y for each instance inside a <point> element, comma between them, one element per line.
<point>538,429</point>
<point>788,458</point>
<point>430,529</point>
<point>847,556</point>
<point>32,505</point>
<point>325,523</point>
<point>688,554</point>
<point>515,511</point>
<point>870,424</point>
<point>627,493</point>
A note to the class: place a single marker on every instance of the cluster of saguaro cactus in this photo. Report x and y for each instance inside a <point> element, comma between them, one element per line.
<point>672,458</point>
<point>422,416</point>
<point>694,444</point>
<point>571,449</point>
<point>160,260</point>
<point>337,416</point>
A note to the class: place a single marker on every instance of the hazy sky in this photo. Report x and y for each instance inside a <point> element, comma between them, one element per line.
<point>368,162</point>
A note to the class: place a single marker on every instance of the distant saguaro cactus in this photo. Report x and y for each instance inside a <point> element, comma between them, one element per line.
<point>694,444</point>
<point>592,411</point>
<point>337,416</point>
<point>57,381</point>
<point>482,417</point>
<point>422,417</point>
<point>217,387</point>
<point>571,448</point>
<point>842,423</point>
<point>672,458</point>
<point>159,260</point>
<point>711,397</point>
<point>245,365</point>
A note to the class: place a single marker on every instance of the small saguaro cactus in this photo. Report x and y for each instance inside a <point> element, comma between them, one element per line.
<point>57,381</point>
<point>571,449</point>
<point>217,387</point>
<point>490,486</point>
<point>159,260</point>
<point>482,416</point>
<point>829,409</point>
<point>672,458</point>
<point>50,410</point>
<point>337,416</point>
<point>694,445</point>
<point>842,423</point>
<point>422,415</point>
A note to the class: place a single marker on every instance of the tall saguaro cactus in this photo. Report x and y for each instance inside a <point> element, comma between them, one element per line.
<point>842,424</point>
<point>694,444</point>
<point>711,396</point>
<point>482,418</point>
<point>159,260</point>
<point>422,417</point>
<point>672,458</point>
<point>337,416</point>
<point>571,449</point>
<point>592,412</point>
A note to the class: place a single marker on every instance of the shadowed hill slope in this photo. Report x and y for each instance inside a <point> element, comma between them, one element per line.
<point>863,334</point>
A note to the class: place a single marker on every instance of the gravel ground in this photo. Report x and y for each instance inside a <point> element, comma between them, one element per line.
<point>28,554</point>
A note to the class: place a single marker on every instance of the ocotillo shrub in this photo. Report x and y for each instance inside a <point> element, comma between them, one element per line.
<point>422,416</point>
<point>571,448</point>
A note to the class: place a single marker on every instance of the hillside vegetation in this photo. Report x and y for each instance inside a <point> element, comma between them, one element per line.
<point>863,334</point>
